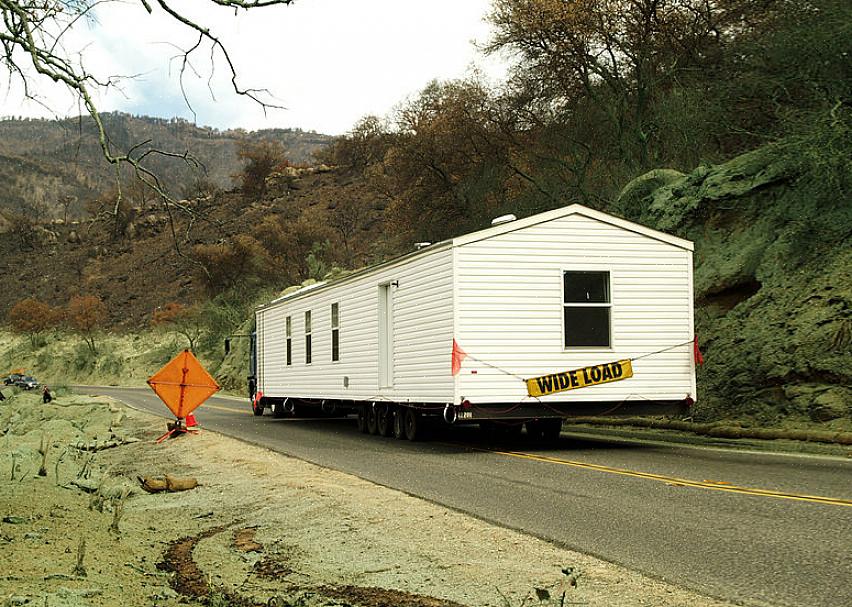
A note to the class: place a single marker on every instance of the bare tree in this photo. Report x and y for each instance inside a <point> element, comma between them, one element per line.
<point>32,35</point>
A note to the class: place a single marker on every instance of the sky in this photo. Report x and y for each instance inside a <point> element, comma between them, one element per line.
<point>327,62</point>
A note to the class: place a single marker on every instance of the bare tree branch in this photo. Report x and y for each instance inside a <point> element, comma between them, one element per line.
<point>31,42</point>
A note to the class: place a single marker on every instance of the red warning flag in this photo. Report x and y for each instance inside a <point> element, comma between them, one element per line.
<point>696,353</point>
<point>458,356</point>
<point>183,384</point>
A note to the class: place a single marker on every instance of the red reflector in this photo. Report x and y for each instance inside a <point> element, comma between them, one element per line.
<point>466,404</point>
<point>689,401</point>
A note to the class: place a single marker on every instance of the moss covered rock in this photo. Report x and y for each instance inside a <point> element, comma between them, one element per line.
<point>773,283</point>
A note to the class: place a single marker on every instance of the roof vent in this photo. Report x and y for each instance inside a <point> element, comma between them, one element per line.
<point>421,245</point>
<point>502,219</point>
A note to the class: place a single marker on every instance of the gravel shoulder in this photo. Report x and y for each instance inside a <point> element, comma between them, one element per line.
<point>259,529</point>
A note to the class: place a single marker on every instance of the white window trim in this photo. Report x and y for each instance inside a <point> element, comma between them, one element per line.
<point>563,305</point>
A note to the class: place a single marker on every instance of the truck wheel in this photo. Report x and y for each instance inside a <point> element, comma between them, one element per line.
<point>278,410</point>
<point>550,430</point>
<point>257,407</point>
<point>372,420</point>
<point>362,419</point>
<point>413,425</point>
<point>399,423</point>
<point>534,429</point>
<point>384,420</point>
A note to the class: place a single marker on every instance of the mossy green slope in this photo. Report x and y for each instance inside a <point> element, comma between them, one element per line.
<point>773,282</point>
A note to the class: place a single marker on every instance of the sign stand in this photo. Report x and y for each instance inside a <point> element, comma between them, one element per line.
<point>183,384</point>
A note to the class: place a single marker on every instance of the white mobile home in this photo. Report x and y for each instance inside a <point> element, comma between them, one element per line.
<point>561,291</point>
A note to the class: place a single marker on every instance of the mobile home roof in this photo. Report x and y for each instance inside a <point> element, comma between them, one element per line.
<point>504,228</point>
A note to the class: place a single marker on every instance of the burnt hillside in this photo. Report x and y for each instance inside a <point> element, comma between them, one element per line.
<point>44,161</point>
<point>150,264</point>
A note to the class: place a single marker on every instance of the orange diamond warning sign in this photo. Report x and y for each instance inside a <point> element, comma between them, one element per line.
<point>183,384</point>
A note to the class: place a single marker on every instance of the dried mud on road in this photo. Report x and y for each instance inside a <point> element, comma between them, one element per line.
<point>260,529</point>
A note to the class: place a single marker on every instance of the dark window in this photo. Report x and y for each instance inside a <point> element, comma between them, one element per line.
<point>586,287</point>
<point>335,332</point>
<point>308,337</point>
<point>289,341</point>
<point>586,308</point>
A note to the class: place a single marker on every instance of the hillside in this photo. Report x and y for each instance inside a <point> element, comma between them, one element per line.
<point>735,132</point>
<point>772,280</point>
<point>42,161</point>
<point>147,267</point>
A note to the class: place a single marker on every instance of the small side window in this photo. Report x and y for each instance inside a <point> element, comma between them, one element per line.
<point>335,332</point>
<point>289,340</point>
<point>308,337</point>
<point>586,309</point>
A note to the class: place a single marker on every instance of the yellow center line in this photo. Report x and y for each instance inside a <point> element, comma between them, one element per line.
<point>672,480</point>
<point>228,409</point>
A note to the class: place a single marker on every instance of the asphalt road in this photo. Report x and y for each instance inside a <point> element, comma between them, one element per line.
<point>755,528</point>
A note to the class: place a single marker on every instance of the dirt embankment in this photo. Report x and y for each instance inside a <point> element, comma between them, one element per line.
<point>259,529</point>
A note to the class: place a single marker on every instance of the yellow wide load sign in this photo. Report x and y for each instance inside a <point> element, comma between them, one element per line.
<point>579,378</point>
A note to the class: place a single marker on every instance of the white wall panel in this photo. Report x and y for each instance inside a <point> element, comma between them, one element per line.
<point>509,310</point>
<point>422,335</point>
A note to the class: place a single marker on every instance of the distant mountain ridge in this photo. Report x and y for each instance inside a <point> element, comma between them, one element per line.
<point>42,161</point>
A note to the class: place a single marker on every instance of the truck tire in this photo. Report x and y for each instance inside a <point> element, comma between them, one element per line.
<point>362,419</point>
<point>550,430</point>
<point>257,407</point>
<point>384,420</point>
<point>399,423</point>
<point>534,429</point>
<point>413,425</point>
<point>372,420</point>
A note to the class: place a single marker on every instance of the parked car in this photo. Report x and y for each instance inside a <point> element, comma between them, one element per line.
<point>12,378</point>
<point>26,382</point>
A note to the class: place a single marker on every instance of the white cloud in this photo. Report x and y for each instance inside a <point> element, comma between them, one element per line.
<point>328,62</point>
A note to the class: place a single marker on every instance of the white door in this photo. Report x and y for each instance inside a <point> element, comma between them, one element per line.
<point>385,336</point>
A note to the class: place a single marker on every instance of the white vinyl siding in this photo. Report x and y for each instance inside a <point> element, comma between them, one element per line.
<point>422,335</point>
<point>510,310</point>
<point>500,293</point>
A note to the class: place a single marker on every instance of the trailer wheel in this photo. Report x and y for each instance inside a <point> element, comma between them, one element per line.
<point>362,419</point>
<point>384,420</point>
<point>372,420</point>
<point>278,410</point>
<point>550,430</point>
<point>413,425</point>
<point>257,407</point>
<point>534,429</point>
<point>399,423</point>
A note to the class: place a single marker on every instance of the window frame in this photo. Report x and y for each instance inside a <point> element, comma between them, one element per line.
<point>335,332</point>
<point>288,333</point>
<point>563,305</point>
<point>308,340</point>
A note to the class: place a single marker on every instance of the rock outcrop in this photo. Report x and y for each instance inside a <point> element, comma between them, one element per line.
<point>773,283</point>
